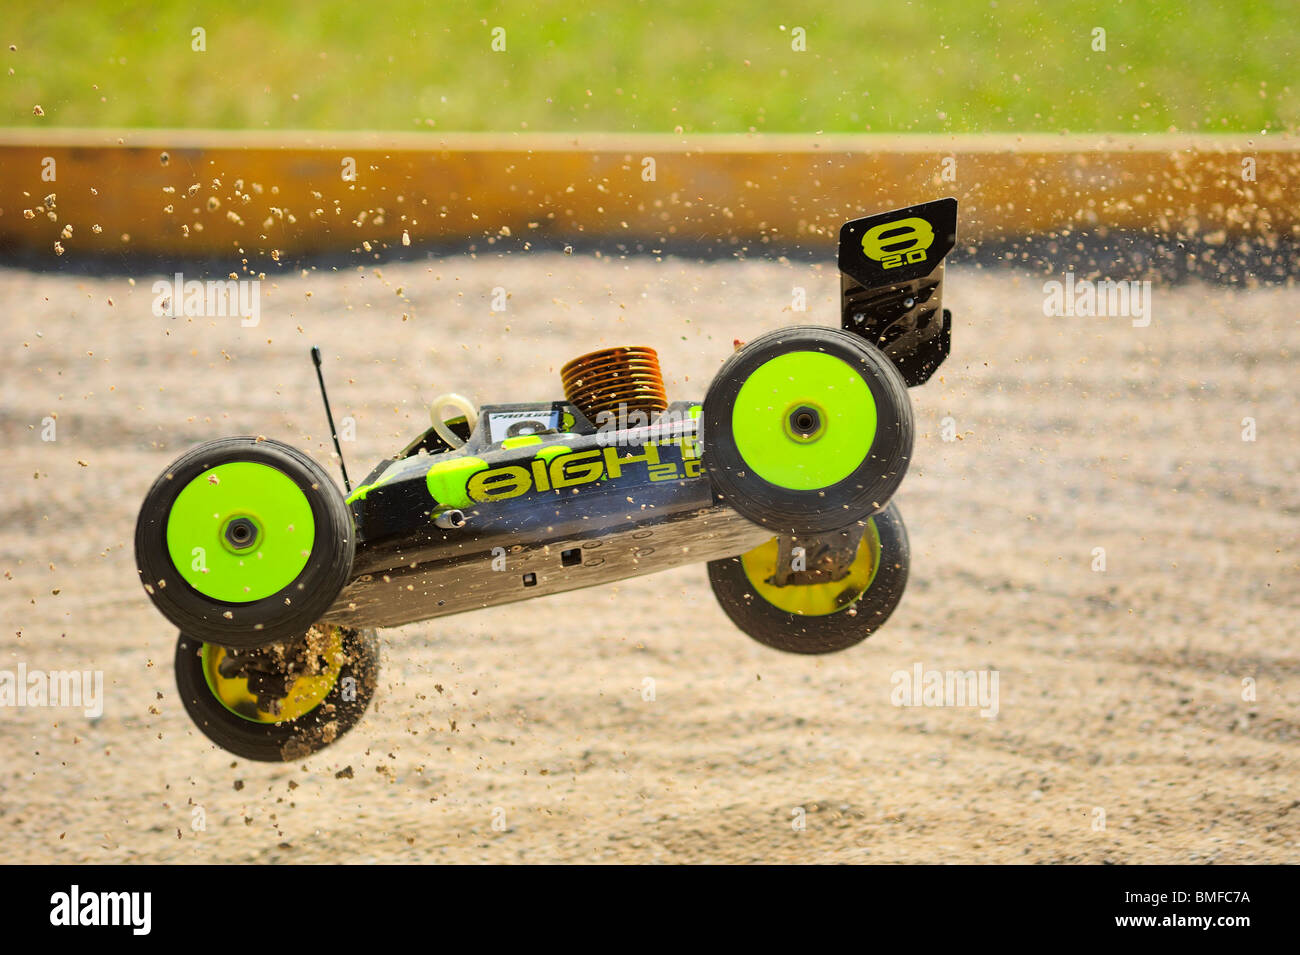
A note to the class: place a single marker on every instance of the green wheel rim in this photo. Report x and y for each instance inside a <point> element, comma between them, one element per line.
<point>780,387</point>
<point>198,526</point>
<point>814,600</point>
<point>304,695</point>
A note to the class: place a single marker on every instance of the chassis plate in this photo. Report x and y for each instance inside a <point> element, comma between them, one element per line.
<point>409,594</point>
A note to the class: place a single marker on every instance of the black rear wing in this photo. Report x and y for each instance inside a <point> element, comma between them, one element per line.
<point>891,284</point>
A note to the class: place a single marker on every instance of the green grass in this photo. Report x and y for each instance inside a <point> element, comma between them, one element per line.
<point>920,66</point>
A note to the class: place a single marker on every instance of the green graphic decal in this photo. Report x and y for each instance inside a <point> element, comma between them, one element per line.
<point>447,480</point>
<point>521,441</point>
<point>391,472</point>
<point>901,242</point>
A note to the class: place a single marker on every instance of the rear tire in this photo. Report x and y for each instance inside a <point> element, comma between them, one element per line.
<point>244,542</point>
<point>807,429</point>
<point>239,727</point>
<point>740,592</point>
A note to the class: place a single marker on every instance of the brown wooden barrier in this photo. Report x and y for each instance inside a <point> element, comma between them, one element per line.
<point>186,193</point>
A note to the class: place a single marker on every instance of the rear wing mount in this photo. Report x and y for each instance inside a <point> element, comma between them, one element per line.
<point>891,284</point>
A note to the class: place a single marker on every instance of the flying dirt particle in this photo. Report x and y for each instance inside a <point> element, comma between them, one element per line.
<point>239,784</point>
<point>213,203</point>
<point>344,773</point>
<point>58,248</point>
<point>37,111</point>
<point>165,158</point>
<point>568,250</point>
<point>406,237</point>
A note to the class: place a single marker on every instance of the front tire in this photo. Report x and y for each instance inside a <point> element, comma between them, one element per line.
<point>820,617</point>
<point>244,542</point>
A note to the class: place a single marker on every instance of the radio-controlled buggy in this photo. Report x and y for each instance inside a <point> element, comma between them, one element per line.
<point>781,480</point>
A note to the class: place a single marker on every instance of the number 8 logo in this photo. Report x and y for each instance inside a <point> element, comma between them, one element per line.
<point>915,232</point>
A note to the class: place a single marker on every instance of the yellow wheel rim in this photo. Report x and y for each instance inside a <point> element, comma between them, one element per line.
<point>305,693</point>
<point>814,600</point>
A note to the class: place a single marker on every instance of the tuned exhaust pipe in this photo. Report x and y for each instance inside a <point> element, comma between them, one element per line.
<point>450,519</point>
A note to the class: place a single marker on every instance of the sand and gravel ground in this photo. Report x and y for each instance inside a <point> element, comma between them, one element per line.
<point>520,734</point>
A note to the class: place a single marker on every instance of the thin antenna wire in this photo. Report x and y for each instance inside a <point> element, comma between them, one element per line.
<point>315,357</point>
